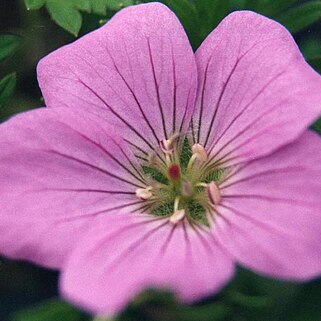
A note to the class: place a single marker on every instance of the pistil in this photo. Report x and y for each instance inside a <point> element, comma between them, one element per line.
<point>174,173</point>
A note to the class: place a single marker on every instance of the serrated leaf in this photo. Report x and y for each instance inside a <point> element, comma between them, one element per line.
<point>8,45</point>
<point>65,15</point>
<point>7,87</point>
<point>301,17</point>
<point>52,310</point>
<point>34,4</point>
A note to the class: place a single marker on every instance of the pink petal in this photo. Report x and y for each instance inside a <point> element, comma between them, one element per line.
<point>270,216</point>
<point>126,254</point>
<point>138,72</point>
<point>58,170</point>
<point>256,91</point>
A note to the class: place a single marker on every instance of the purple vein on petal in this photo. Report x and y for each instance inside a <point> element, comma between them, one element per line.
<point>129,161</point>
<point>258,222</point>
<point>185,112</point>
<point>270,198</point>
<point>133,95</point>
<point>93,167</point>
<point>97,213</point>
<point>101,148</point>
<point>160,106</point>
<point>223,159</point>
<point>263,173</point>
<point>81,190</point>
<point>225,85</point>
<point>130,250</point>
<point>174,90</point>
<point>120,117</point>
<point>243,111</point>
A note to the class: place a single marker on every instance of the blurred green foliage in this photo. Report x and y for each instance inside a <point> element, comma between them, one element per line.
<point>67,13</point>
<point>8,45</point>
<point>28,293</point>
<point>7,87</point>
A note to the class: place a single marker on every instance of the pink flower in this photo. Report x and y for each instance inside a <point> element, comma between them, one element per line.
<point>103,185</point>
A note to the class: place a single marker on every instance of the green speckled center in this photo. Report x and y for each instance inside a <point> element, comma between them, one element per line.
<point>193,198</point>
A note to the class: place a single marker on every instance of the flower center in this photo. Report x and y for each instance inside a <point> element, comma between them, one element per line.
<point>183,185</point>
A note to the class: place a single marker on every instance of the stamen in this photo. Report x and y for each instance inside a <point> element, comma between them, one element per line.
<point>177,216</point>
<point>200,152</point>
<point>187,189</point>
<point>144,193</point>
<point>213,193</point>
<point>166,146</point>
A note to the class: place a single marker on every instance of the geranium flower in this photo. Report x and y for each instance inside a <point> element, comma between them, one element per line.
<point>156,167</point>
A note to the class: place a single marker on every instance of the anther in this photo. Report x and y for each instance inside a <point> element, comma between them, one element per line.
<point>213,193</point>
<point>200,152</point>
<point>152,159</point>
<point>177,216</point>
<point>166,146</point>
<point>187,189</point>
<point>144,193</point>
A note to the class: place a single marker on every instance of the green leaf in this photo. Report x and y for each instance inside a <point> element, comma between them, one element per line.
<point>83,5</point>
<point>189,17</point>
<point>7,87</point>
<point>306,305</point>
<point>257,302</point>
<point>65,15</point>
<point>118,4</point>
<point>211,12</point>
<point>51,310</point>
<point>210,312</point>
<point>34,4</point>
<point>269,7</point>
<point>8,45</point>
<point>301,17</point>
<point>277,7</point>
<point>99,7</point>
